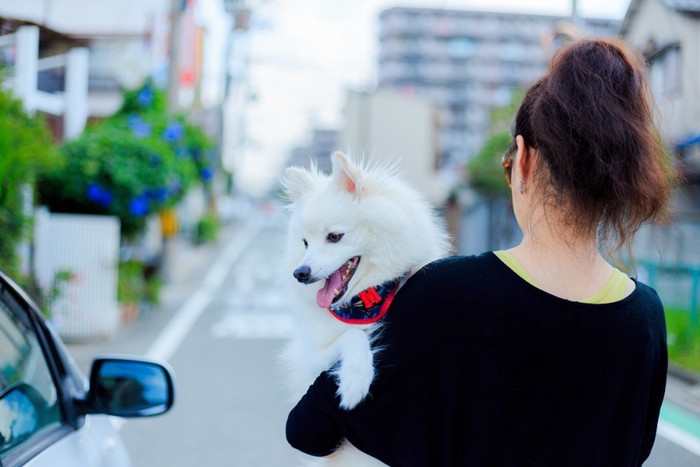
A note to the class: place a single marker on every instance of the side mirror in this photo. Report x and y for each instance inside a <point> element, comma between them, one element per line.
<point>130,387</point>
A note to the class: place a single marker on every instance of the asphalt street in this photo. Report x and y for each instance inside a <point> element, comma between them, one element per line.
<point>223,322</point>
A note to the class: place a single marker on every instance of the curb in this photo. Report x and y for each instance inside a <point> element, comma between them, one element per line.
<point>687,376</point>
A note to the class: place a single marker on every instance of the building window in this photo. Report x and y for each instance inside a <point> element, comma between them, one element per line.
<point>665,70</point>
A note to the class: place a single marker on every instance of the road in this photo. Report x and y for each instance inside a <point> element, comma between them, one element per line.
<point>222,334</point>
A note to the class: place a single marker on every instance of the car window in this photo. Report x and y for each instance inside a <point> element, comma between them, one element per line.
<point>28,396</point>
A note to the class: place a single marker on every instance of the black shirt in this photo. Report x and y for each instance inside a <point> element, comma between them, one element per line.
<point>480,368</point>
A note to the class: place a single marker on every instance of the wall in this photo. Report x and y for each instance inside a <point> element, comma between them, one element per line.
<point>389,127</point>
<point>679,112</point>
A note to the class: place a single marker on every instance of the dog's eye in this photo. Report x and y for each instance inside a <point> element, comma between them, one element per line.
<point>334,237</point>
<point>306,244</point>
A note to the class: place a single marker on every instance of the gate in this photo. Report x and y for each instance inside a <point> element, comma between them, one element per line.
<point>88,247</point>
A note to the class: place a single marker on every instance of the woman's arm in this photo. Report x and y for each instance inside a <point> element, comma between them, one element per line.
<point>311,425</point>
<point>657,390</point>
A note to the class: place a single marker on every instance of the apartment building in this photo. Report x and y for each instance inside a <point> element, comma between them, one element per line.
<point>466,62</point>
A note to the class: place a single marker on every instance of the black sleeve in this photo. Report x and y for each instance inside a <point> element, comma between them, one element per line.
<point>311,425</point>
<point>658,388</point>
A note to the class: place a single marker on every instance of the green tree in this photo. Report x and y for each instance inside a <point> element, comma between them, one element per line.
<point>484,171</point>
<point>26,149</point>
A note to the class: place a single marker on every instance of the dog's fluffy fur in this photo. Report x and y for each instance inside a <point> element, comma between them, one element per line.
<point>390,227</point>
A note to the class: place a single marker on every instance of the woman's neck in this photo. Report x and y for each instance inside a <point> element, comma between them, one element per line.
<point>562,262</point>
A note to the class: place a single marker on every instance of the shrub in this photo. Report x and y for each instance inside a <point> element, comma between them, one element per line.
<point>145,110</point>
<point>485,170</point>
<point>108,171</point>
<point>138,162</point>
<point>135,286</point>
<point>683,339</point>
<point>207,228</point>
<point>26,148</point>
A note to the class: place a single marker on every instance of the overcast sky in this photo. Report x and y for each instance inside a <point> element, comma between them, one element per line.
<point>306,53</point>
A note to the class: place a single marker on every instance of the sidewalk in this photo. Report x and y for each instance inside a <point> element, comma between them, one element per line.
<point>683,389</point>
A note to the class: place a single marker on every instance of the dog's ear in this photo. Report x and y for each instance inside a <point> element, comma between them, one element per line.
<point>296,182</point>
<point>346,174</point>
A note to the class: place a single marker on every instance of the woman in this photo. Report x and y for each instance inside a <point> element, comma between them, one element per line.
<point>544,354</point>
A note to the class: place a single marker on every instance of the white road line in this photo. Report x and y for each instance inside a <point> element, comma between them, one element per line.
<point>170,338</point>
<point>254,326</point>
<point>677,436</point>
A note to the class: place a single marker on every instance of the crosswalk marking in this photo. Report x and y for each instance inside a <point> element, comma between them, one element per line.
<point>254,326</point>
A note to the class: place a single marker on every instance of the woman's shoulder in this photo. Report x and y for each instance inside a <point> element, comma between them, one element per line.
<point>445,278</point>
<point>451,265</point>
<point>646,300</point>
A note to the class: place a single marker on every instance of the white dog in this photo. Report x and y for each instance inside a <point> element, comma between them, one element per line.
<point>354,237</point>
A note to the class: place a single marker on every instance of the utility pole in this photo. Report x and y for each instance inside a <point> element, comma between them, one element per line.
<point>176,9</point>
<point>575,17</point>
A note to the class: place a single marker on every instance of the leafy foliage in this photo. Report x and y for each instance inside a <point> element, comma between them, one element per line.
<point>208,228</point>
<point>135,286</point>
<point>27,149</point>
<point>683,339</point>
<point>485,170</point>
<point>138,162</point>
<point>145,111</point>
<point>108,171</point>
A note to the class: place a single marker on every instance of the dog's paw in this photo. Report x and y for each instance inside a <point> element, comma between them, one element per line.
<point>356,369</point>
<point>354,381</point>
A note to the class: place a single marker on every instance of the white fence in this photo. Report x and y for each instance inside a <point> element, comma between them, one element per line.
<point>87,247</point>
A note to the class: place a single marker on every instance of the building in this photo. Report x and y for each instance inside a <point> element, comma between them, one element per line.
<point>398,130</point>
<point>466,62</point>
<point>667,32</point>
<point>127,41</point>
<point>322,144</point>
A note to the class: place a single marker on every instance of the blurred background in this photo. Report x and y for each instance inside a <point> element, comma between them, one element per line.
<point>140,136</point>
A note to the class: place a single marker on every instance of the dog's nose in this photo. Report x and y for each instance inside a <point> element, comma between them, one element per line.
<point>302,274</point>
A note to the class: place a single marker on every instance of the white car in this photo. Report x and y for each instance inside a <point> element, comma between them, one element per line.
<point>50,415</point>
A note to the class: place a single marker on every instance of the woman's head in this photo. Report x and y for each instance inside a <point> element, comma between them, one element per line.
<point>601,163</point>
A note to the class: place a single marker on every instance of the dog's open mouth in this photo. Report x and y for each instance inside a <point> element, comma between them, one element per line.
<point>337,283</point>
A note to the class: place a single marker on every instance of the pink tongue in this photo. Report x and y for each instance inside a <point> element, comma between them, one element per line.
<point>325,296</point>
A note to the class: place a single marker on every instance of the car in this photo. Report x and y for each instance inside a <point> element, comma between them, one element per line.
<point>50,413</point>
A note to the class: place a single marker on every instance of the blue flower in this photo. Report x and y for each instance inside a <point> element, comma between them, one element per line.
<point>162,194</point>
<point>173,132</point>
<point>106,199</point>
<point>145,96</point>
<point>139,128</point>
<point>206,174</point>
<point>175,188</point>
<point>94,192</point>
<point>159,194</point>
<point>99,195</point>
<point>139,206</point>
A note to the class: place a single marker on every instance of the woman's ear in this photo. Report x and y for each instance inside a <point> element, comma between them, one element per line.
<point>523,158</point>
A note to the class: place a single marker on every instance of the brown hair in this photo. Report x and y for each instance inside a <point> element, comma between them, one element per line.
<point>590,119</point>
